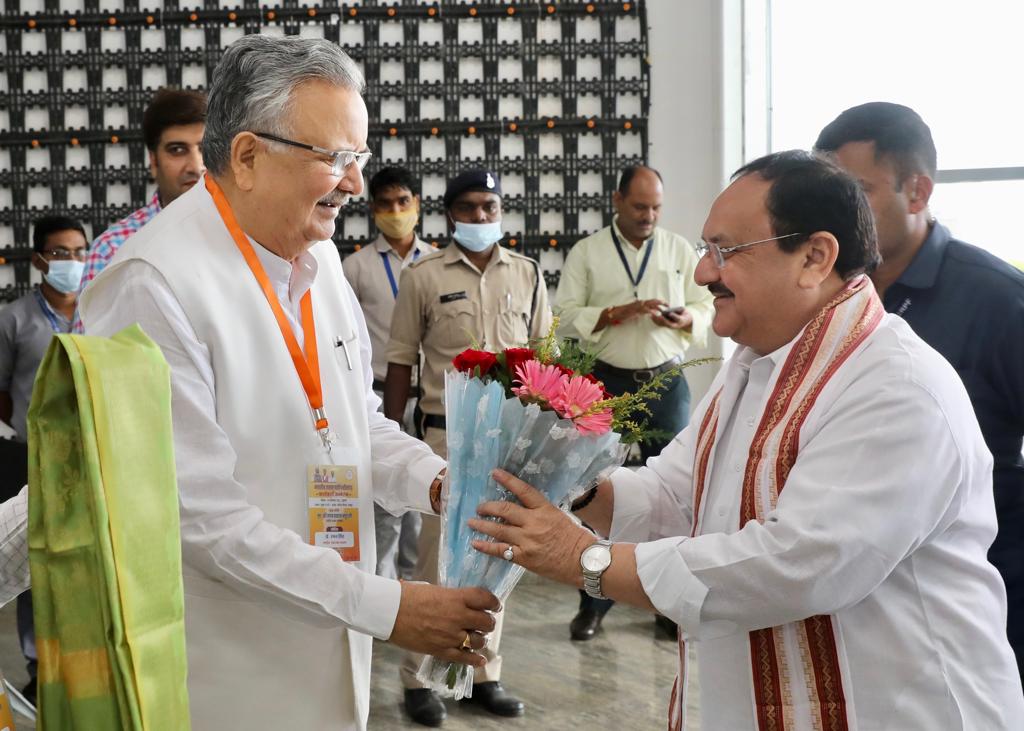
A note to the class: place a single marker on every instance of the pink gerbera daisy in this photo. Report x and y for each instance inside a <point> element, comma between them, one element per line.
<point>597,423</point>
<point>540,383</point>
<point>576,397</point>
<point>577,401</point>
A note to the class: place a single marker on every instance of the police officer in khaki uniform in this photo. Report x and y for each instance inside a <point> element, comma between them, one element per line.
<point>473,290</point>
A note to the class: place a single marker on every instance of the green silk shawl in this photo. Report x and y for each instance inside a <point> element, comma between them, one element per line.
<point>104,539</point>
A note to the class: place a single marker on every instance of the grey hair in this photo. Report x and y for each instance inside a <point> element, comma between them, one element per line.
<point>254,82</point>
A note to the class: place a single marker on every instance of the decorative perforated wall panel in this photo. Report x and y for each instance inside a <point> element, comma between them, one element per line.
<point>554,95</point>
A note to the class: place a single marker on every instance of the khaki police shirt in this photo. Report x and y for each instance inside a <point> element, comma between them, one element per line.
<point>365,271</point>
<point>445,305</point>
<point>593,278</point>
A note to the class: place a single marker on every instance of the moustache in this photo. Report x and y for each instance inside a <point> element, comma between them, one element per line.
<point>336,199</point>
<point>719,290</point>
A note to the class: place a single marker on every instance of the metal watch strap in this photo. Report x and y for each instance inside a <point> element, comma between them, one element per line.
<point>592,580</point>
<point>593,587</point>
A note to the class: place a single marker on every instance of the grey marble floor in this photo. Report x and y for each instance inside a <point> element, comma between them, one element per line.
<point>620,680</point>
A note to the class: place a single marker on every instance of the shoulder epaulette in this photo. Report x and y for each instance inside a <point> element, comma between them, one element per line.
<point>429,257</point>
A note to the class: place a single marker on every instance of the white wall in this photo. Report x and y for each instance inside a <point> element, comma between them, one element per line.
<point>696,120</point>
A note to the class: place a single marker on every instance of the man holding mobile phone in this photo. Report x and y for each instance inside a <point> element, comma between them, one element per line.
<point>628,293</point>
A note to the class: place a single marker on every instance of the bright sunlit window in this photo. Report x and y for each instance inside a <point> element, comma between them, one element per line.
<point>959,65</point>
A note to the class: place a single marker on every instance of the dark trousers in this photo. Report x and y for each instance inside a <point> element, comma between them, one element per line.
<point>27,633</point>
<point>670,414</point>
<point>601,606</point>
<point>1007,554</point>
<point>13,468</point>
<point>13,476</point>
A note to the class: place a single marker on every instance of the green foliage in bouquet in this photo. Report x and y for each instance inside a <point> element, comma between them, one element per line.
<point>631,411</point>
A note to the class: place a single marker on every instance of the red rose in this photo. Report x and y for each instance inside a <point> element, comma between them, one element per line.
<point>469,360</point>
<point>515,357</point>
<point>590,377</point>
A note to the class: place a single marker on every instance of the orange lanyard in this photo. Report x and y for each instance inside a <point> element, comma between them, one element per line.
<point>307,366</point>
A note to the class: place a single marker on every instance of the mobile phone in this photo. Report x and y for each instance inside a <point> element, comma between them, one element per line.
<point>672,311</point>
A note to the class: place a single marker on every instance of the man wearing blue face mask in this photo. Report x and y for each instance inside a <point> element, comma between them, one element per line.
<point>26,327</point>
<point>472,291</point>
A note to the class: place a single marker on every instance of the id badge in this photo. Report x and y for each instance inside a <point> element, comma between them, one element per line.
<point>332,493</point>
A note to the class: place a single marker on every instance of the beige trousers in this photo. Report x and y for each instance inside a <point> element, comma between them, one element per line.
<point>426,570</point>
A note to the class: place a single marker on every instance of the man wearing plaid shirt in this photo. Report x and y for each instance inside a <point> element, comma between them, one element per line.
<point>172,127</point>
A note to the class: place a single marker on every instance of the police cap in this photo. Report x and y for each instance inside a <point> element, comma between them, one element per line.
<point>482,180</point>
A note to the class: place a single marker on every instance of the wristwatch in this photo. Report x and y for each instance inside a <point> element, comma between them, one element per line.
<point>595,560</point>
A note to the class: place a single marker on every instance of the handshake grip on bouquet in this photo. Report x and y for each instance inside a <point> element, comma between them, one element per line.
<point>450,624</point>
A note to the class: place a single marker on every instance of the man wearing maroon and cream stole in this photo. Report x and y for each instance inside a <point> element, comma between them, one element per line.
<point>819,531</point>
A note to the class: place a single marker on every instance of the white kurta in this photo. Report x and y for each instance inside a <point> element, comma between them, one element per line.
<point>884,522</point>
<point>275,628</point>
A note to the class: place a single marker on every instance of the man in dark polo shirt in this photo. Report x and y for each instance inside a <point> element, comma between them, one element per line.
<point>961,300</point>
<point>27,326</point>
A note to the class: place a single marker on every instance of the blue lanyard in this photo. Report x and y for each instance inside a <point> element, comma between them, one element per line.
<point>625,264</point>
<point>45,307</point>
<point>386,258</point>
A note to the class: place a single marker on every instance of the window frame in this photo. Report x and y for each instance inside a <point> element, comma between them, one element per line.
<point>758,118</point>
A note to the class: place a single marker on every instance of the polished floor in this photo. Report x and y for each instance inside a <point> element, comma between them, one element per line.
<point>620,680</point>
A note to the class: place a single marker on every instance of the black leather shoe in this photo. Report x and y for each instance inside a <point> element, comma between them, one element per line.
<point>29,691</point>
<point>493,698</point>
<point>669,629</point>
<point>585,624</point>
<point>424,706</point>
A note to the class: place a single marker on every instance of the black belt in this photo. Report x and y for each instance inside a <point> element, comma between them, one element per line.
<point>378,385</point>
<point>640,375</point>
<point>433,421</point>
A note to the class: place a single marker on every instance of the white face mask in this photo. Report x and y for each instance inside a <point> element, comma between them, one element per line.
<point>477,236</point>
<point>65,276</point>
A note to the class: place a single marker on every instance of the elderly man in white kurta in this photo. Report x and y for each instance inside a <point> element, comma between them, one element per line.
<point>820,531</point>
<point>280,449</point>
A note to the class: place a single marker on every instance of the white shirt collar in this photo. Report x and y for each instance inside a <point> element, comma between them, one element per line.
<point>746,358</point>
<point>290,280</point>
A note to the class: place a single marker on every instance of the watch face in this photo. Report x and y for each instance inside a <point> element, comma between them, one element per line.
<point>596,558</point>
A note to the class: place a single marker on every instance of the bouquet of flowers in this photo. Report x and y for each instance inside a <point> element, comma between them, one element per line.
<point>538,414</point>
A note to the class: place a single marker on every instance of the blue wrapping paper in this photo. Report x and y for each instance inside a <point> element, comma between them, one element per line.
<point>486,430</point>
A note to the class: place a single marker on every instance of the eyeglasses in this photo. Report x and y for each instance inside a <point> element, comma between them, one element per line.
<point>340,159</point>
<point>66,254</point>
<point>718,253</point>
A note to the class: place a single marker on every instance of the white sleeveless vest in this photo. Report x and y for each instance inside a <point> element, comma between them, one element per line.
<point>250,667</point>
